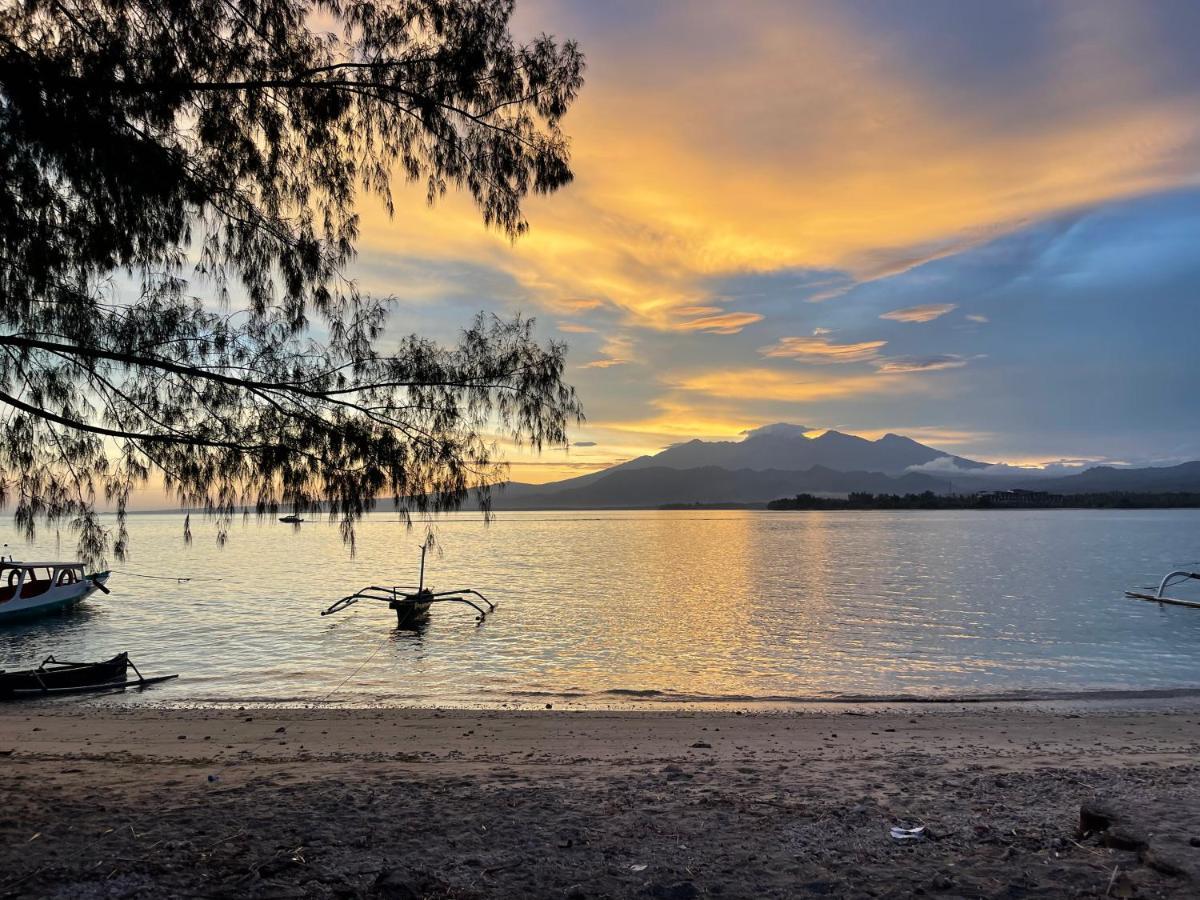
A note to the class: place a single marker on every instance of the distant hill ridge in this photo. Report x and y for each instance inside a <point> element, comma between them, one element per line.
<point>1184,477</point>
<point>658,485</point>
<point>787,448</point>
<point>781,461</point>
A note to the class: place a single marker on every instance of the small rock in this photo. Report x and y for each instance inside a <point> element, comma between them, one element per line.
<point>1095,816</point>
<point>1099,817</point>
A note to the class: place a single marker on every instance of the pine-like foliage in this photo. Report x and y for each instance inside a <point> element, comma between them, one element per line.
<point>177,207</point>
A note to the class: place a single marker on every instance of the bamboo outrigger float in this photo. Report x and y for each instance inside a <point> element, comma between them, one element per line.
<point>412,603</point>
<point>1171,578</point>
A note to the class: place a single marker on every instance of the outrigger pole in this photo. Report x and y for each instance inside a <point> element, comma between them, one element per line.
<point>1171,578</point>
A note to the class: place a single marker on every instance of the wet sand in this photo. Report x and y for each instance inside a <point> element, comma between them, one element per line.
<point>112,802</point>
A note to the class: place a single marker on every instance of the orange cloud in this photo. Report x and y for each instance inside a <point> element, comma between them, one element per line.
<point>723,323</point>
<point>772,384</point>
<point>853,162</point>
<point>926,312</point>
<point>675,418</point>
<point>819,349</point>
<point>617,350</point>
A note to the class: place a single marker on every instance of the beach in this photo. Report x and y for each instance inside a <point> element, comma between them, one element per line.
<point>104,801</point>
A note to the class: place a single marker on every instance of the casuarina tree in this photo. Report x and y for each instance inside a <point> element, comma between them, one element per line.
<point>178,192</point>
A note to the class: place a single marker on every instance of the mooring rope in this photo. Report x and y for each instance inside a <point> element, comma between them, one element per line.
<point>176,578</point>
<point>361,666</point>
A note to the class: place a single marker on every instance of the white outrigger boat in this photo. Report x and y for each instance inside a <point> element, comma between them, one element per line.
<point>29,589</point>
<point>1172,578</point>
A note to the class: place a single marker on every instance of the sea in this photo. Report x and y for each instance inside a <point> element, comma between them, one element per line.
<point>645,609</point>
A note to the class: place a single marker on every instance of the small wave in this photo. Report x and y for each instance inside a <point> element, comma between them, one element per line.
<point>647,698</point>
<point>514,693</point>
<point>665,697</point>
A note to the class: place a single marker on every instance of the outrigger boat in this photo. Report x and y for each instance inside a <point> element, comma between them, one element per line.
<point>53,677</point>
<point>29,589</point>
<point>412,603</point>
<point>1170,579</point>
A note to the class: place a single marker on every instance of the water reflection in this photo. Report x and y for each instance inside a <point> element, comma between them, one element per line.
<point>682,603</point>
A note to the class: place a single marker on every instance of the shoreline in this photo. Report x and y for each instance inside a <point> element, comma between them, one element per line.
<point>656,701</point>
<point>145,801</point>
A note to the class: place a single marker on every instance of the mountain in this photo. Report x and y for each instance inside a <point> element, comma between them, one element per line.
<point>786,448</point>
<point>778,461</point>
<point>1103,479</point>
<point>658,485</point>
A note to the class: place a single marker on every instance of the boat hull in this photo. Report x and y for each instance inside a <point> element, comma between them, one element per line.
<point>409,614</point>
<point>56,600</point>
<point>52,677</point>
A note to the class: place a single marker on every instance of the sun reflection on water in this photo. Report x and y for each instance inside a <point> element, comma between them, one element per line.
<point>655,605</point>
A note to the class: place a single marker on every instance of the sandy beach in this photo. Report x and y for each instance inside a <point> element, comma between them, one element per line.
<point>112,802</point>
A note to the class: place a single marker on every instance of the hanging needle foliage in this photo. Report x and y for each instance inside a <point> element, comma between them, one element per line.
<point>178,186</point>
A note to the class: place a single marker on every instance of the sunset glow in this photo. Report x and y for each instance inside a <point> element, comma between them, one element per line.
<point>836,214</point>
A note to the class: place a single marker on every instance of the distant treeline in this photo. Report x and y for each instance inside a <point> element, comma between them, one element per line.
<point>930,500</point>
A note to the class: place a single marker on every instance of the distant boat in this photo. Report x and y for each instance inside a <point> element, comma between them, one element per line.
<point>293,519</point>
<point>54,677</point>
<point>30,589</point>
<point>1170,579</point>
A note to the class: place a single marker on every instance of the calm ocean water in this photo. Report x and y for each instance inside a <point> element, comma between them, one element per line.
<point>655,608</point>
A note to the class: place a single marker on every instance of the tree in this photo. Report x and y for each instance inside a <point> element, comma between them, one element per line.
<point>178,184</point>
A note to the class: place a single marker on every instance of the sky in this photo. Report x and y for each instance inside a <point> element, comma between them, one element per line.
<point>974,224</point>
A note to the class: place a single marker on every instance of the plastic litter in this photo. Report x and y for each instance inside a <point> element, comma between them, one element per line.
<point>905,835</point>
